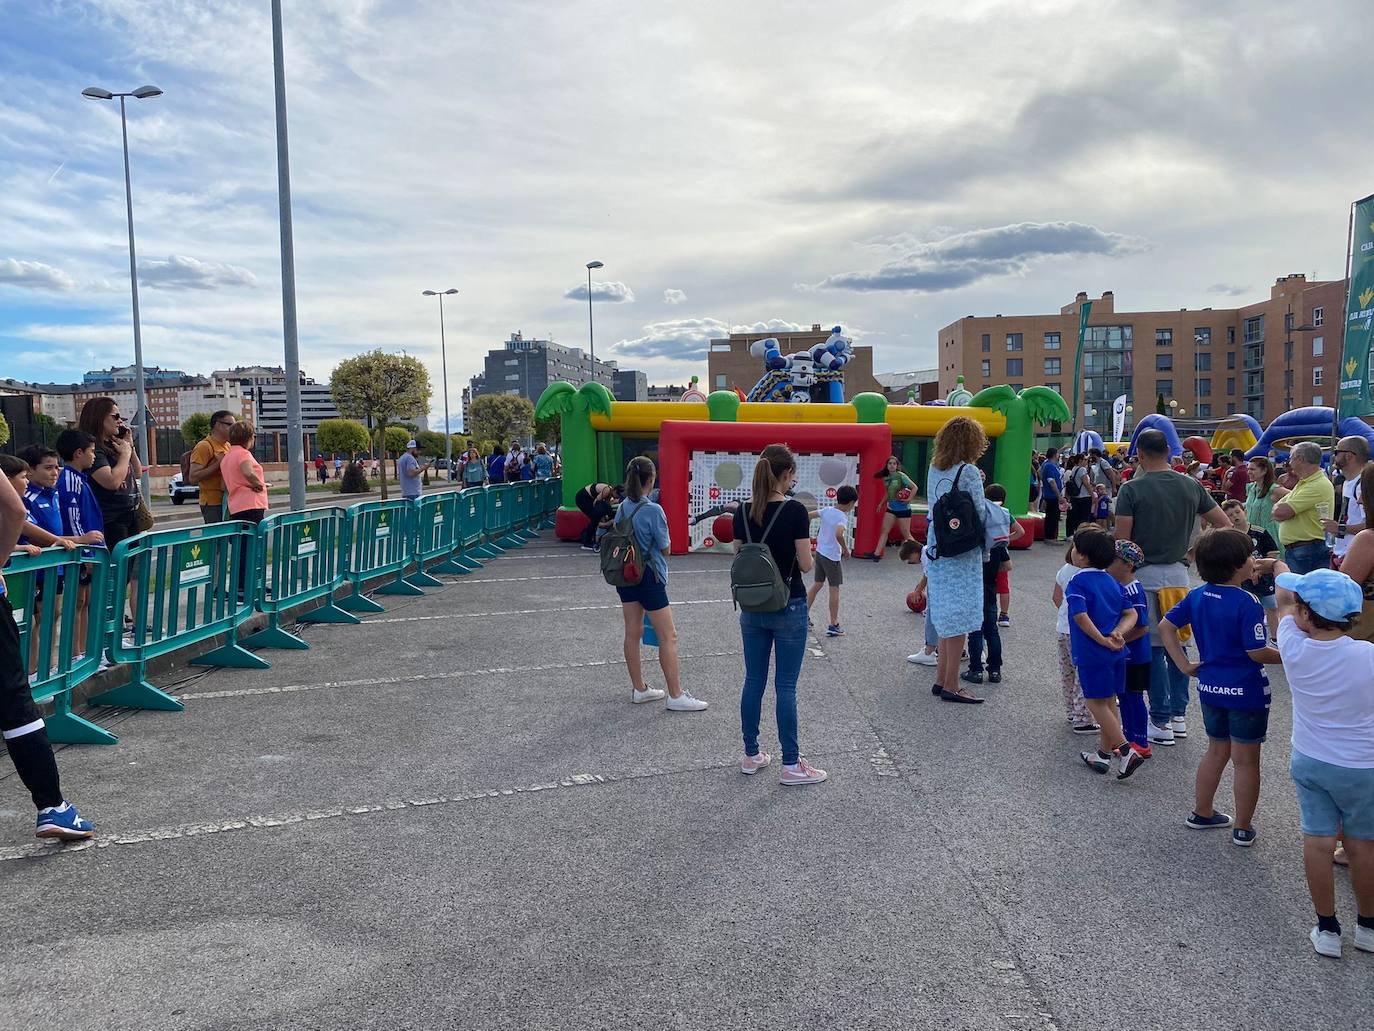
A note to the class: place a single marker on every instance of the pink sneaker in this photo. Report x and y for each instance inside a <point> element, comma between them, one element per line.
<point>751,764</point>
<point>802,773</point>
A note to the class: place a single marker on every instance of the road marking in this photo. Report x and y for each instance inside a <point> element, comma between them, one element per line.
<point>519,612</point>
<point>572,576</point>
<point>417,678</point>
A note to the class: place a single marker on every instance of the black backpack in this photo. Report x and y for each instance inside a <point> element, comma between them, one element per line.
<point>1072,488</point>
<point>956,521</point>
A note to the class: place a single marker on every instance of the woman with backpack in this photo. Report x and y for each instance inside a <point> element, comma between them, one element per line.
<point>955,580</point>
<point>649,525</point>
<point>1079,490</point>
<point>767,584</point>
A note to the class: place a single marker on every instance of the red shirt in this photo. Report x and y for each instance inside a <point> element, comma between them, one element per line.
<point>1240,478</point>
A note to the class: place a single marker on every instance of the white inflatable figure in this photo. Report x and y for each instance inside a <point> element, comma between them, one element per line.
<point>802,370</point>
<point>835,353</point>
<point>959,396</point>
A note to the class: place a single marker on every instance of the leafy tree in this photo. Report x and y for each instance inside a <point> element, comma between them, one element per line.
<point>4,431</point>
<point>378,386</point>
<point>354,479</point>
<point>342,437</point>
<point>502,417</point>
<point>195,429</point>
<point>431,443</point>
<point>1159,405</point>
<point>395,439</point>
<point>549,430</point>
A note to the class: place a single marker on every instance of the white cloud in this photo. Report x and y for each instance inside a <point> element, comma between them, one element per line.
<point>178,272</point>
<point>1227,289</point>
<point>671,296</point>
<point>614,292</point>
<point>34,275</point>
<point>770,326</point>
<point>676,340</point>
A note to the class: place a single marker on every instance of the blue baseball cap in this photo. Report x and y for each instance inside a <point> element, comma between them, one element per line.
<point>1330,594</point>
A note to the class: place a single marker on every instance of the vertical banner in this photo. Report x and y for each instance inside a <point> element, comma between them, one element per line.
<point>1083,314</point>
<point>1355,397</point>
<point>1118,418</point>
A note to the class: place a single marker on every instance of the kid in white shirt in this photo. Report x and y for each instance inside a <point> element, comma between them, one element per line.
<point>832,546</point>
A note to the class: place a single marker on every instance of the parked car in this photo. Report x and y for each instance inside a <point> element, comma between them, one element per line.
<point>181,491</point>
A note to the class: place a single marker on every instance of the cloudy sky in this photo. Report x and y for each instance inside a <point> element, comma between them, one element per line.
<point>732,164</point>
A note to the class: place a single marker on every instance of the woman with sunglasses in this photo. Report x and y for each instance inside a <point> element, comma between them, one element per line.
<point>115,474</point>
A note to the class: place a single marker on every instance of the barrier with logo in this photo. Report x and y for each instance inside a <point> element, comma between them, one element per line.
<point>51,623</point>
<point>435,536</point>
<point>189,586</point>
<point>377,543</point>
<point>471,506</point>
<point>299,559</point>
<point>552,491</point>
<point>521,494</point>
<point>496,520</point>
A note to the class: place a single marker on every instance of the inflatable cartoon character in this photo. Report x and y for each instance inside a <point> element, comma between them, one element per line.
<point>814,375</point>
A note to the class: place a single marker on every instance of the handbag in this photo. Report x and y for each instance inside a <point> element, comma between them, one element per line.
<point>143,518</point>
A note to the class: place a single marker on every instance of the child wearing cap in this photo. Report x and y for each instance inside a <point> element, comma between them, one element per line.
<point>1331,678</point>
<point>1135,715</point>
<point>1099,618</point>
<point>1233,645</point>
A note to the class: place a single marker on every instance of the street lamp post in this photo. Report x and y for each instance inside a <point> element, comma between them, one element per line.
<point>443,358</point>
<point>591,335</point>
<point>140,388</point>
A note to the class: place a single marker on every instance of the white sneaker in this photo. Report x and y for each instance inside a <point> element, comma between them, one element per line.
<point>1158,735</point>
<point>1179,726</point>
<point>1326,943</point>
<point>802,773</point>
<point>1364,938</point>
<point>924,658</point>
<point>649,694</point>
<point>685,703</point>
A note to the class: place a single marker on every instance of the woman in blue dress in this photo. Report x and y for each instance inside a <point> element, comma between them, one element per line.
<point>955,584</point>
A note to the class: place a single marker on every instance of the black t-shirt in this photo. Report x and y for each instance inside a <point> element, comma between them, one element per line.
<point>793,524</point>
<point>1264,544</point>
<point>114,502</point>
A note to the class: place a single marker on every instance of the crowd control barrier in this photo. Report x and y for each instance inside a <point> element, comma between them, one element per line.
<point>521,507</point>
<point>51,610</point>
<point>187,588</point>
<point>552,490</point>
<point>497,520</point>
<point>471,506</point>
<point>300,559</point>
<point>377,544</point>
<point>435,536</point>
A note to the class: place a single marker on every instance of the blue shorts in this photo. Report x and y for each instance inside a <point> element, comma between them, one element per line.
<point>900,509</point>
<point>649,592</point>
<point>1106,681</point>
<point>1243,726</point>
<point>1333,800</point>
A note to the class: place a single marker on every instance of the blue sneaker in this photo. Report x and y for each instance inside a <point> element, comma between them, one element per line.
<point>63,823</point>
<point>834,630</point>
<point>1202,823</point>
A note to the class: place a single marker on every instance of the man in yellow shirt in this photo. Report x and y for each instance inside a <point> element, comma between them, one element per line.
<point>205,459</point>
<point>1301,510</point>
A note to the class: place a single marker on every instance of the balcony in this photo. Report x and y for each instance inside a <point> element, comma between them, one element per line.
<point>1252,358</point>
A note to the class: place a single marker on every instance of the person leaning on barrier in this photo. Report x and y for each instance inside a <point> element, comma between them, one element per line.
<point>205,459</point>
<point>116,471</point>
<point>246,486</point>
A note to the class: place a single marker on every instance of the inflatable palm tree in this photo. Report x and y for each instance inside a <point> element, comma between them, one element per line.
<point>575,406</point>
<point>1022,411</point>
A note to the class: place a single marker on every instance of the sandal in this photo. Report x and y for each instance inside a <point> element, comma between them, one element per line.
<point>959,696</point>
<point>1339,857</point>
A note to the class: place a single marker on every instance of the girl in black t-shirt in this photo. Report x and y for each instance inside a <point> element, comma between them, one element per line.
<point>772,518</point>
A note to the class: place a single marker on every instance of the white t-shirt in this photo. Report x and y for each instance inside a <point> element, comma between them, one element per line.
<point>1066,573</point>
<point>1354,513</point>
<point>1332,683</point>
<point>832,519</point>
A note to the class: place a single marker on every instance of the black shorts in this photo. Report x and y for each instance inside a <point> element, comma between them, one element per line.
<point>1138,676</point>
<point>16,700</point>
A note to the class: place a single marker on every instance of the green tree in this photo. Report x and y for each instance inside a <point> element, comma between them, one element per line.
<point>395,439</point>
<point>503,417</point>
<point>195,429</point>
<point>378,386</point>
<point>431,443</point>
<point>342,437</point>
<point>549,429</point>
<point>1011,466</point>
<point>4,431</point>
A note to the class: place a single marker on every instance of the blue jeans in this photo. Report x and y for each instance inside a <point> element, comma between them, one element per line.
<point>1303,558</point>
<point>1168,688</point>
<point>784,630</point>
<point>988,632</point>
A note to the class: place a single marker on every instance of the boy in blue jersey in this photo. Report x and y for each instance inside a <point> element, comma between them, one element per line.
<point>1135,716</point>
<point>81,518</point>
<point>1233,645</point>
<point>1099,618</point>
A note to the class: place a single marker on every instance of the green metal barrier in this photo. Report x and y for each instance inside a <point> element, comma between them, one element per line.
<point>58,617</point>
<point>472,509</point>
<point>521,494</point>
<point>377,543</point>
<point>551,498</point>
<point>186,592</point>
<point>497,520</point>
<point>435,532</point>
<point>299,559</point>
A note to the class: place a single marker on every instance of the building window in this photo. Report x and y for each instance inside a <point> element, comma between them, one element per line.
<point>1016,386</point>
<point>985,368</point>
<point>721,345</point>
<point>1316,316</point>
<point>1204,411</point>
<point>1164,363</point>
<point>1013,341</point>
<point>1230,386</point>
<point>1288,350</point>
<point>1254,330</point>
<point>1202,336</point>
<point>1288,380</point>
<point>512,361</point>
<point>513,375</point>
<point>1230,409</point>
<point>1056,388</point>
<point>1164,386</point>
<point>1202,362</point>
<point>1230,359</point>
<point>1318,400</point>
<point>1164,338</point>
<point>720,381</point>
<point>1230,334</point>
<point>1204,388</point>
<point>1318,345</point>
<point>1052,341</point>
<point>1317,377</point>
<point>1014,366</point>
<point>1051,366</point>
<point>987,343</point>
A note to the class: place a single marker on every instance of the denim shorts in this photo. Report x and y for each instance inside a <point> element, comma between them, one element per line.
<point>1269,601</point>
<point>1242,726</point>
<point>649,592</point>
<point>1333,800</point>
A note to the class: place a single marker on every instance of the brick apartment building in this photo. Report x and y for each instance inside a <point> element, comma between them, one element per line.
<point>1262,359</point>
<point>731,366</point>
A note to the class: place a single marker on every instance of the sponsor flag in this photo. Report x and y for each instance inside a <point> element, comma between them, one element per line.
<point>1118,417</point>
<point>1354,397</point>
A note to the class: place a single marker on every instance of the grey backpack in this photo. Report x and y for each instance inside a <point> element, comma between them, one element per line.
<point>755,582</point>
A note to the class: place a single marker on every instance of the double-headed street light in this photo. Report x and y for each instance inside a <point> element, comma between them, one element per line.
<point>591,335</point>
<point>141,401</point>
<point>443,357</point>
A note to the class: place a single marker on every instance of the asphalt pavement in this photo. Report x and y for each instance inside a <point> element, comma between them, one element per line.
<point>452,816</point>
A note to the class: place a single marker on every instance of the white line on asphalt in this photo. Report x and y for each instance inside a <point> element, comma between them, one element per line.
<point>516,612</point>
<point>574,576</point>
<point>416,678</point>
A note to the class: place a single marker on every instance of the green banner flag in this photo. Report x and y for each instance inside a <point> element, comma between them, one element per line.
<point>1083,314</point>
<point>1355,394</point>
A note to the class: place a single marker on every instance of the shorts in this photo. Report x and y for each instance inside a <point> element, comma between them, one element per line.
<point>650,592</point>
<point>16,700</point>
<point>1003,582</point>
<point>1106,681</point>
<point>119,526</point>
<point>1138,677</point>
<point>1270,602</point>
<point>900,509</point>
<point>829,570</point>
<point>1241,726</point>
<point>1333,800</point>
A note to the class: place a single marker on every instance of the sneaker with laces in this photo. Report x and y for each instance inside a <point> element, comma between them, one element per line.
<point>1004,620</point>
<point>1086,728</point>
<point>685,703</point>
<point>802,773</point>
<point>834,630</point>
<point>751,764</point>
<point>1364,938</point>
<point>923,658</point>
<point>63,823</point>
<point>1096,761</point>
<point>1243,836</point>
<point>649,694</point>
<point>1327,943</point>
<point>1128,763</point>
<point>1218,819</point>
<point>1179,726</point>
<point>1160,735</point>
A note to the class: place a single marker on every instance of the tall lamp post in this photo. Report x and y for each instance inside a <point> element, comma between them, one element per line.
<point>591,336</point>
<point>140,388</point>
<point>443,358</point>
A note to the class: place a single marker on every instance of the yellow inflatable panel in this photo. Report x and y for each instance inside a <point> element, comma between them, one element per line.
<point>926,420</point>
<point>648,416</point>
<point>778,411</point>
